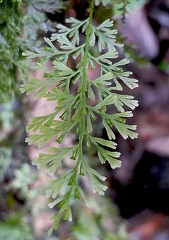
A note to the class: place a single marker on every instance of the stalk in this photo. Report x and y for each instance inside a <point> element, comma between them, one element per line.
<point>82,123</point>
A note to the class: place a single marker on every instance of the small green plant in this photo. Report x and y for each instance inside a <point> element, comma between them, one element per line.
<point>19,25</point>
<point>23,184</point>
<point>14,229</point>
<point>77,113</point>
<point>103,221</point>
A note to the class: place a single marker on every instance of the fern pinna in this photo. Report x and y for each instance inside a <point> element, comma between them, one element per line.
<point>74,112</point>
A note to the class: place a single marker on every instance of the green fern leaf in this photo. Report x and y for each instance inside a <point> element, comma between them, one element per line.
<point>73,111</point>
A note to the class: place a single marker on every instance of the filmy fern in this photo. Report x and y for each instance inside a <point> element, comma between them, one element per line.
<point>74,112</point>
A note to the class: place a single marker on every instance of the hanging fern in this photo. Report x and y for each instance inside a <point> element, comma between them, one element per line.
<point>74,111</point>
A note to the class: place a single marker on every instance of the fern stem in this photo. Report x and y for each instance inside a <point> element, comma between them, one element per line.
<point>82,124</point>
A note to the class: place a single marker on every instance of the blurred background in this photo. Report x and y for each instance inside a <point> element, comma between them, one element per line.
<point>136,206</point>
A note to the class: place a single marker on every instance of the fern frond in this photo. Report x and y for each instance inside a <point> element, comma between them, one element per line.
<point>74,111</point>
